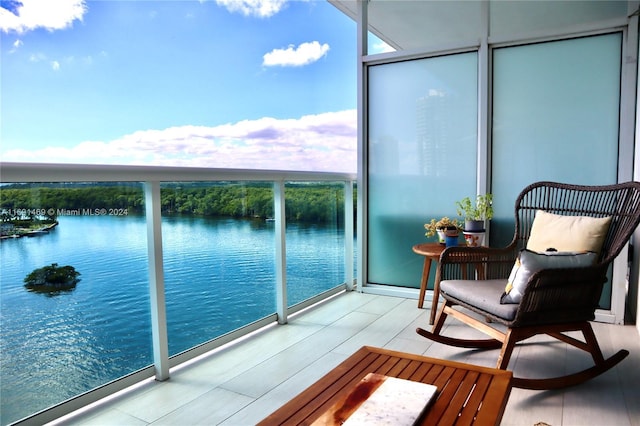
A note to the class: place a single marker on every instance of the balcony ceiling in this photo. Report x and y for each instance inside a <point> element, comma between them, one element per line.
<point>412,24</point>
<point>406,25</point>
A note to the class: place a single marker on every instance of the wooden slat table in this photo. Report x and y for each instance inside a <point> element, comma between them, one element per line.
<point>467,394</point>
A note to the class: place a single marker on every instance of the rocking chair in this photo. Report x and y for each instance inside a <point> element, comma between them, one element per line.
<point>543,282</point>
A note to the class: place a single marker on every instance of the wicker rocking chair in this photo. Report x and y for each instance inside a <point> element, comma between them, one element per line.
<point>558,298</point>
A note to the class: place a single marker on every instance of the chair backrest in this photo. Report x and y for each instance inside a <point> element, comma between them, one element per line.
<point>620,201</point>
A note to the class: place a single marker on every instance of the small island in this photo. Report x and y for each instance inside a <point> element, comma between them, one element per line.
<point>52,278</point>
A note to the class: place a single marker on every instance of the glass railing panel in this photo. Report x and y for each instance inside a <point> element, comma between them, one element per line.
<point>218,245</point>
<point>314,238</point>
<point>58,342</point>
<point>57,345</point>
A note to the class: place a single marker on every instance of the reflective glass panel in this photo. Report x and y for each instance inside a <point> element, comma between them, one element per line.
<point>219,251</point>
<point>59,338</point>
<point>422,156</point>
<point>555,117</point>
<point>315,239</point>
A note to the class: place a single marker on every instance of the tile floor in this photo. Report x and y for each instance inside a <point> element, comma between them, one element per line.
<point>242,383</point>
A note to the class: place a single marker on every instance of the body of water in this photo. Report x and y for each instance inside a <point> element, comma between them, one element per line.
<point>219,275</point>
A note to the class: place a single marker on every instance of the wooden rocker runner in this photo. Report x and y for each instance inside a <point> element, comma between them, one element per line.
<point>548,280</point>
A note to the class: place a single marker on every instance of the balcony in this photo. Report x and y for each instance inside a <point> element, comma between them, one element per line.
<point>242,383</point>
<point>242,376</point>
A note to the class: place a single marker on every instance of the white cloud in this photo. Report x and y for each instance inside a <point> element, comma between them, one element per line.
<point>257,8</point>
<point>304,54</point>
<point>321,142</point>
<point>49,14</point>
<point>55,65</point>
<point>37,57</point>
<point>381,47</point>
<point>16,45</point>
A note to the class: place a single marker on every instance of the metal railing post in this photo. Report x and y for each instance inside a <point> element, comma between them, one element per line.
<point>156,281</point>
<point>348,234</point>
<point>281,251</point>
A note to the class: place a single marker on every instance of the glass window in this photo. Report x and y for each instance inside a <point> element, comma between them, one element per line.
<point>422,156</point>
<point>555,117</point>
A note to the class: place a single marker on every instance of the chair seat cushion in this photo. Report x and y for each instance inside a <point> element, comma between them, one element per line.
<point>483,294</point>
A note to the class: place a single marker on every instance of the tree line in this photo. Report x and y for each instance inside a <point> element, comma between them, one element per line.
<point>314,202</point>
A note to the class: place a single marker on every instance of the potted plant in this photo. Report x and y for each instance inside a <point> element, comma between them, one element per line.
<point>443,228</point>
<point>476,214</point>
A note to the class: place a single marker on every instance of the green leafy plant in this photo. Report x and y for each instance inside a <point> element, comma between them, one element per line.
<point>481,210</point>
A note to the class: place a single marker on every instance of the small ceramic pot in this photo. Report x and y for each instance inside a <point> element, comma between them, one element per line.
<point>474,239</point>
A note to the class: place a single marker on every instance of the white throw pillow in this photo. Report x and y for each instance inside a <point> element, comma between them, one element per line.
<point>567,233</point>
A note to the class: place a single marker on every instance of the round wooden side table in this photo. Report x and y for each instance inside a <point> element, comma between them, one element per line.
<point>431,252</point>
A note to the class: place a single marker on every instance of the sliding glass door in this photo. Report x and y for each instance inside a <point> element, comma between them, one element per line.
<point>555,117</point>
<point>422,153</point>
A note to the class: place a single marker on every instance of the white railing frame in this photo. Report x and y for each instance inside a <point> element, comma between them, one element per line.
<point>281,252</point>
<point>152,177</point>
<point>159,334</point>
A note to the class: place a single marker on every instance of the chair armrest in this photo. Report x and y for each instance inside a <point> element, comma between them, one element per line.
<point>490,263</point>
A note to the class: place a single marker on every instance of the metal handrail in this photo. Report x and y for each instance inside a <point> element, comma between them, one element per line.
<point>57,172</point>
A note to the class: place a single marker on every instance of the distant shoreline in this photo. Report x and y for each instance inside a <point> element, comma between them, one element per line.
<point>23,232</point>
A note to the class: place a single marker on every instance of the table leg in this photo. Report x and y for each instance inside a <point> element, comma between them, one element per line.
<point>425,279</point>
<point>436,294</point>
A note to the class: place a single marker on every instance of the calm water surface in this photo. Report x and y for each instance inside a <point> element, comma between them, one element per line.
<point>219,275</point>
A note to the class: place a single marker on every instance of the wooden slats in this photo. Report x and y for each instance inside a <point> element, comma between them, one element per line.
<point>373,363</point>
<point>463,390</point>
<point>457,404</point>
<point>438,415</point>
<point>473,404</point>
<point>494,401</point>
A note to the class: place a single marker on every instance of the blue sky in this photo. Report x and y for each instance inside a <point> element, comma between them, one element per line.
<point>268,84</point>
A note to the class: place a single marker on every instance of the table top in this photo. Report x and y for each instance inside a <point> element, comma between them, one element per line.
<point>429,249</point>
<point>467,394</point>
